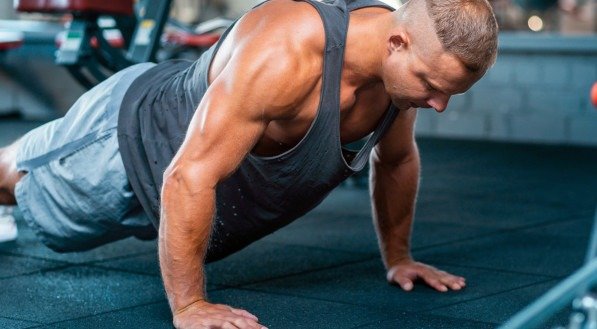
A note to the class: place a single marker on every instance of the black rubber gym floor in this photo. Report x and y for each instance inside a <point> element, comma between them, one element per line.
<point>513,219</point>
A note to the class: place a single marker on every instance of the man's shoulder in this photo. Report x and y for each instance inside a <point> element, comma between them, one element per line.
<point>297,24</point>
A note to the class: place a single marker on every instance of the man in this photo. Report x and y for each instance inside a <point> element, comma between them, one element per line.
<point>225,150</point>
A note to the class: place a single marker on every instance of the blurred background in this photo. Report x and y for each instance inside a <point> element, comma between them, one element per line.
<point>537,92</point>
<point>507,193</point>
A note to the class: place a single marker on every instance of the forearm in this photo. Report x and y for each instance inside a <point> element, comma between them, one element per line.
<point>393,193</point>
<point>185,227</point>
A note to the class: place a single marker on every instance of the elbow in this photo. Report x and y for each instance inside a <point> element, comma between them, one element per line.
<point>186,179</point>
<point>173,176</point>
<point>403,157</point>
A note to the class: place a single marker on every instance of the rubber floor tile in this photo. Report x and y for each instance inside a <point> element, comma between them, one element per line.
<point>263,261</point>
<point>427,321</point>
<point>528,251</point>
<point>14,266</point>
<point>503,306</point>
<point>156,315</point>
<point>27,244</point>
<point>74,292</point>
<point>282,311</point>
<point>364,284</point>
<point>15,324</point>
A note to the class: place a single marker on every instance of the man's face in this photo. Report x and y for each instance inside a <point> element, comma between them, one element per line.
<point>425,76</point>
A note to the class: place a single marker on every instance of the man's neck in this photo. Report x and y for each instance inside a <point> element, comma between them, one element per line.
<point>366,46</point>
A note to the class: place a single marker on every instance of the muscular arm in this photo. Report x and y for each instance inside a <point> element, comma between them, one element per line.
<point>258,83</point>
<point>395,167</point>
<point>394,181</point>
<point>216,142</point>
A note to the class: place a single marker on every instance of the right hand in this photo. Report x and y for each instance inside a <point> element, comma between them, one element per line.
<point>203,315</point>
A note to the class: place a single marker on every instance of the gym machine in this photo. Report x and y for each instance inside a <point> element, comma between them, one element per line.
<point>104,36</point>
<point>580,288</point>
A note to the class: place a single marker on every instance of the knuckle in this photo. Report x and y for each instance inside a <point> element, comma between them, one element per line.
<point>448,280</point>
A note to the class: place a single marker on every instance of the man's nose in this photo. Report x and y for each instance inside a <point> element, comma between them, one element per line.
<point>439,102</point>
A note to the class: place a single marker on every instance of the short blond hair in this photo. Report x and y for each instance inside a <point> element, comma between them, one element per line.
<point>468,29</point>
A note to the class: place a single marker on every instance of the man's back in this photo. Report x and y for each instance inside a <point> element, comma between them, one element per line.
<point>269,189</point>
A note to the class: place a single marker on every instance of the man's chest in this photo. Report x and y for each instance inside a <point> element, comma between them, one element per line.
<point>360,113</point>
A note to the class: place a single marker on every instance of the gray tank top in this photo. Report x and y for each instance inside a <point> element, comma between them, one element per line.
<point>265,193</point>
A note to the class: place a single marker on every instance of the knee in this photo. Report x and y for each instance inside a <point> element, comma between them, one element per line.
<point>6,197</point>
<point>8,174</point>
<point>3,165</point>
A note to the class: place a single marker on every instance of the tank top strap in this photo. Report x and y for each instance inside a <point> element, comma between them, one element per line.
<point>220,41</point>
<point>361,158</point>
<point>358,4</point>
<point>335,17</point>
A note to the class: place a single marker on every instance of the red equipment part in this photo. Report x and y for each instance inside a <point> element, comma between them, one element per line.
<point>107,7</point>
<point>594,94</point>
<point>114,39</point>
<point>192,40</point>
<point>10,40</point>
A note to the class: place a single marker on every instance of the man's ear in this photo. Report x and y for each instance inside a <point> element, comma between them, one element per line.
<point>398,41</point>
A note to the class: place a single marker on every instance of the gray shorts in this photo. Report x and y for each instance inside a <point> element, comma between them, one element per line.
<point>76,195</point>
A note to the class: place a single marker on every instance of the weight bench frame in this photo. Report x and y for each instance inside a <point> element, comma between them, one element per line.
<point>90,65</point>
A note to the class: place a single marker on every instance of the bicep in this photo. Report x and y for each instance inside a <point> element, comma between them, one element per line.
<point>251,91</point>
<point>221,133</point>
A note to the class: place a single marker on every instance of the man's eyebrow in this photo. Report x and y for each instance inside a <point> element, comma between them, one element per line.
<point>425,78</point>
<point>456,92</point>
<point>435,87</point>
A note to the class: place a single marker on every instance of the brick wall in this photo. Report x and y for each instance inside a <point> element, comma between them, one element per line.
<point>538,91</point>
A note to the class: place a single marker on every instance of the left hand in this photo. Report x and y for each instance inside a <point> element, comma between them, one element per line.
<point>408,271</point>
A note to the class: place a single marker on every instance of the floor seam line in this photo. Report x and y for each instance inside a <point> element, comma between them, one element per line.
<point>492,234</point>
<point>301,297</point>
<point>45,270</point>
<point>489,269</point>
<point>107,268</point>
<point>17,319</point>
<point>486,296</point>
<point>101,313</point>
<point>298,273</point>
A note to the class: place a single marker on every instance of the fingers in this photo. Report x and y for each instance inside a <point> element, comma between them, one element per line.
<point>215,316</point>
<point>402,276</point>
<point>405,275</point>
<point>243,313</point>
<point>404,283</point>
<point>242,323</point>
<point>435,283</point>
<point>442,281</point>
<point>456,283</point>
<point>225,322</point>
<point>451,281</point>
<point>249,319</point>
<point>240,318</point>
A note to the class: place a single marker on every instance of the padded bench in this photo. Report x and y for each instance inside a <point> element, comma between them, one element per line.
<point>186,39</point>
<point>10,40</point>
<point>98,7</point>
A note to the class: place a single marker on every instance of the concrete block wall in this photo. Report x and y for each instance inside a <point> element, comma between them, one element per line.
<point>538,92</point>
